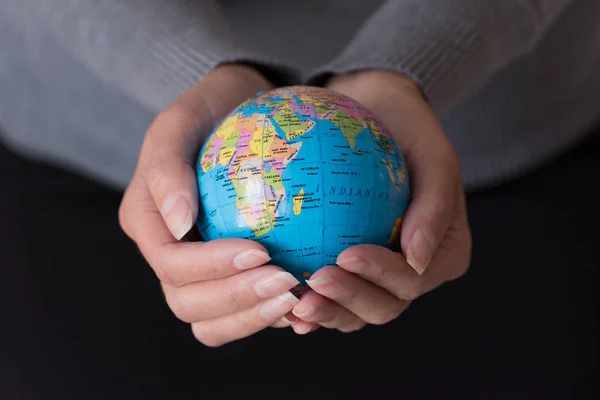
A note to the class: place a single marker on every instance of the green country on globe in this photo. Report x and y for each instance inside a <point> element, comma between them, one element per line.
<point>307,173</point>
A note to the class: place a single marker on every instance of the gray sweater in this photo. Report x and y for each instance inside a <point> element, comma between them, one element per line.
<point>513,81</point>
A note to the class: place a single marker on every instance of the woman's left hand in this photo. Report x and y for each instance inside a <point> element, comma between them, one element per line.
<point>374,285</point>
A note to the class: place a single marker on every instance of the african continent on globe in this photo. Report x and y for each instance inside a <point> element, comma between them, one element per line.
<point>307,173</point>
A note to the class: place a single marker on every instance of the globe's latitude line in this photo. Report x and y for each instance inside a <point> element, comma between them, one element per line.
<point>346,220</point>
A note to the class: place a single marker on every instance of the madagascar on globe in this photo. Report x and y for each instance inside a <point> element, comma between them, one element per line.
<point>307,173</point>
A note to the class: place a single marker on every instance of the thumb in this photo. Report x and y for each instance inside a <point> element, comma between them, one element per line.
<point>430,157</point>
<point>167,161</point>
<point>168,156</point>
<point>435,177</point>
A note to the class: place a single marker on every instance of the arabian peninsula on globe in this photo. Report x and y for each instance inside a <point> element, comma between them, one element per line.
<point>307,173</point>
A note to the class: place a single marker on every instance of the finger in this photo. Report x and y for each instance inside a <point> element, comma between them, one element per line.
<point>303,327</point>
<point>315,308</point>
<point>433,167</point>
<point>168,155</point>
<point>390,270</point>
<point>369,302</point>
<point>179,263</point>
<point>430,157</point>
<point>167,161</point>
<point>286,321</point>
<point>215,298</point>
<point>219,331</point>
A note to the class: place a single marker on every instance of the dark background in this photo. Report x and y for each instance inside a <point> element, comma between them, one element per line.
<point>82,316</point>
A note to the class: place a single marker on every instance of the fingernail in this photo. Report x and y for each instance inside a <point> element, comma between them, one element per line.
<point>303,310</point>
<point>277,307</point>
<point>275,284</point>
<point>314,283</point>
<point>353,264</point>
<point>177,213</point>
<point>250,259</point>
<point>420,251</point>
<point>284,322</point>
<point>289,319</point>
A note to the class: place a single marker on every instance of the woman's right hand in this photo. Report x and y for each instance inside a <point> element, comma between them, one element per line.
<point>222,287</point>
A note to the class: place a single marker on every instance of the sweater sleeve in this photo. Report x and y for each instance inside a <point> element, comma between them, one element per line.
<point>449,47</point>
<point>153,50</point>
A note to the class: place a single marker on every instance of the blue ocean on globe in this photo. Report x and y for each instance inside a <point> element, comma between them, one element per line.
<point>307,173</point>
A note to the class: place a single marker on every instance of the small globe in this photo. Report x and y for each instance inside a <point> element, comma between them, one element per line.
<point>307,173</point>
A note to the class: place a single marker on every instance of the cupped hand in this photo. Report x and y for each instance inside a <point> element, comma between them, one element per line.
<point>224,288</point>
<point>372,284</point>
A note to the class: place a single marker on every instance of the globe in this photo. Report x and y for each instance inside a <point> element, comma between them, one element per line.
<point>307,173</point>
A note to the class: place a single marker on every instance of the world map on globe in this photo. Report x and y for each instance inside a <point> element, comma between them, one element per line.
<point>307,173</point>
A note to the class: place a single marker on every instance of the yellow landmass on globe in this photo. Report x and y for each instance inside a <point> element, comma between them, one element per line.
<point>228,126</point>
<point>259,190</point>
<point>350,127</point>
<point>298,199</point>
<point>291,124</point>
<point>224,138</point>
<point>250,201</point>
<point>256,217</point>
<point>225,155</point>
<point>264,142</point>
<point>395,236</point>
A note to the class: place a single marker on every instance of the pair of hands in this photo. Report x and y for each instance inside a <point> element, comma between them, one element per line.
<point>226,288</point>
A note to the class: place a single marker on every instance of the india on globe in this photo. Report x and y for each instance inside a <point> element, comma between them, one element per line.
<point>307,173</point>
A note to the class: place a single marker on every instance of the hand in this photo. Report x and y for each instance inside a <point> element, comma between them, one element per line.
<point>373,284</point>
<point>221,287</point>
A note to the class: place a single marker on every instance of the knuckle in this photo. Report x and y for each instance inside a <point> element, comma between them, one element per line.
<point>459,245</point>
<point>352,327</point>
<point>178,305</point>
<point>211,267</point>
<point>412,292</point>
<point>350,297</point>
<point>123,217</point>
<point>174,117</point>
<point>341,292</point>
<point>380,319</point>
<point>386,316</point>
<point>206,337</point>
<point>164,271</point>
<point>157,173</point>
<point>127,202</point>
<point>162,275</point>
<point>326,315</point>
<point>319,302</point>
<point>461,269</point>
<point>167,274</point>
<point>244,324</point>
<point>437,209</point>
<point>167,268</point>
<point>236,295</point>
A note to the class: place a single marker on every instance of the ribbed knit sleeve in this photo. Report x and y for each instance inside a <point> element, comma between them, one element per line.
<point>152,49</point>
<point>449,47</point>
